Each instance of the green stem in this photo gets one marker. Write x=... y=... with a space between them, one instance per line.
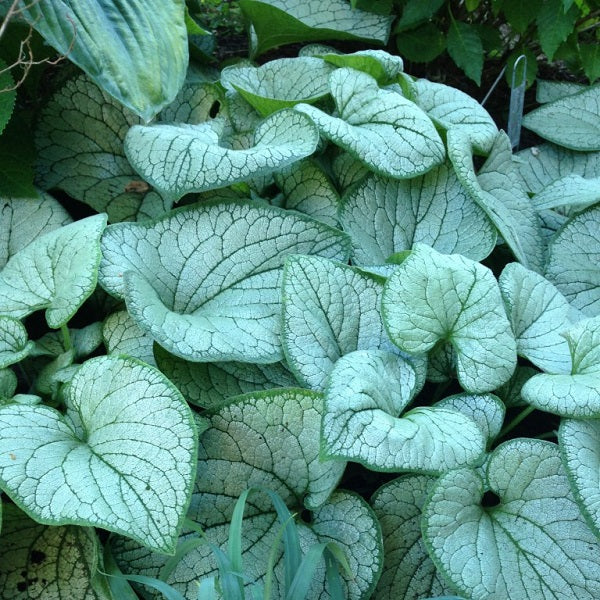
x=66 y=338
x=522 y=415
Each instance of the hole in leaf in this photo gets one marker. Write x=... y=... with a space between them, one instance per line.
x=37 y=557
x=22 y=586
x=214 y=109
x=490 y=499
x=306 y=516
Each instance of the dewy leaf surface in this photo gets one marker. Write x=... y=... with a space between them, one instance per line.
x=365 y=395
x=431 y=298
x=119 y=45
x=534 y=544
x=180 y=159
x=14 y=342
x=384 y=216
x=381 y=128
x=57 y=272
x=204 y=281
x=38 y=562
x=122 y=458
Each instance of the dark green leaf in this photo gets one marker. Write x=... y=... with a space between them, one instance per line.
x=422 y=44
x=466 y=49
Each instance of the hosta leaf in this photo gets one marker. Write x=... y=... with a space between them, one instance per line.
x=432 y=298
x=534 y=544
x=278 y=22
x=538 y=313
x=179 y=159
x=121 y=458
x=579 y=445
x=576 y=394
x=384 y=67
x=452 y=109
x=25 y=219
x=56 y=272
x=571 y=190
x=209 y=384
x=80 y=150
x=408 y=572
x=366 y=393
x=122 y=335
x=53 y=563
x=118 y=45
x=497 y=190
x=14 y=342
x=204 y=281
x=307 y=188
x=384 y=216
x=573 y=121
x=280 y=83
x=384 y=130
x=573 y=262
x=329 y=309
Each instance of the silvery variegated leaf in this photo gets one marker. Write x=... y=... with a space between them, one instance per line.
x=381 y=65
x=14 y=341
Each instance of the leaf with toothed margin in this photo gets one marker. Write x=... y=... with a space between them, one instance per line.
x=204 y=280
x=388 y=133
x=122 y=457
x=576 y=391
x=57 y=272
x=366 y=393
x=408 y=572
x=180 y=159
x=54 y=563
x=432 y=298
x=14 y=342
x=533 y=544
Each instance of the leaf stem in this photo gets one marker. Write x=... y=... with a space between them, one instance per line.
x=522 y=415
x=67 y=343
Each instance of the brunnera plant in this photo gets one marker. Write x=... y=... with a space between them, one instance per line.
x=295 y=269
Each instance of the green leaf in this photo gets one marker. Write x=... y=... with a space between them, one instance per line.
x=465 y=49
x=8 y=95
x=384 y=216
x=16 y=157
x=576 y=393
x=408 y=572
x=520 y=13
x=573 y=261
x=280 y=83
x=56 y=272
x=214 y=293
x=416 y=12
x=572 y=121
x=57 y=563
x=121 y=335
x=26 y=219
x=82 y=341
x=534 y=544
x=14 y=341
x=554 y=24
x=118 y=45
x=378 y=126
x=279 y=22
x=365 y=395
x=384 y=67
x=569 y=191
x=8 y=383
x=329 y=309
x=180 y=159
x=538 y=313
x=432 y=298
x=590 y=60
x=121 y=458
x=421 y=45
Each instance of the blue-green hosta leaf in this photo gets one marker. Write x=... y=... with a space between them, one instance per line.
x=452 y=109
x=14 y=342
x=179 y=159
x=384 y=130
x=122 y=335
x=365 y=395
x=280 y=83
x=25 y=219
x=384 y=67
x=204 y=281
x=209 y=384
x=384 y=216
x=578 y=442
x=574 y=261
x=56 y=272
x=432 y=297
x=408 y=572
x=576 y=394
x=572 y=121
x=278 y=22
x=329 y=309
x=307 y=188
x=571 y=190
x=534 y=544
x=53 y=563
x=79 y=139
x=121 y=458
x=497 y=190
x=538 y=313
x=118 y=45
